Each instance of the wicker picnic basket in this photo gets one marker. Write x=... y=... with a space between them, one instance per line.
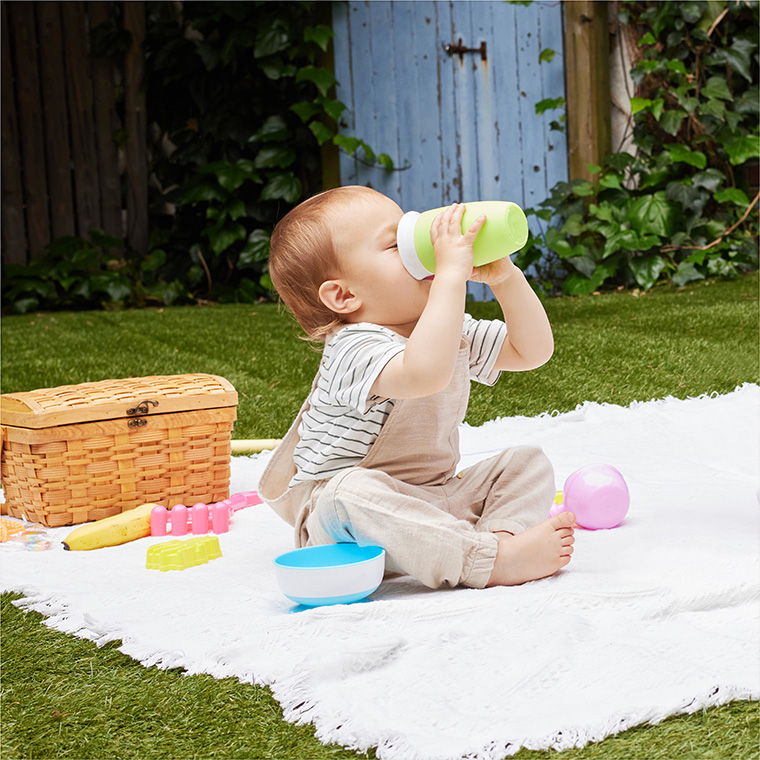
x=83 y=452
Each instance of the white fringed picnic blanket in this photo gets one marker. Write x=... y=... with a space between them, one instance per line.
x=654 y=618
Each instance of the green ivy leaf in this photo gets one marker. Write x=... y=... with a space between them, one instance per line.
x=548 y=104
x=657 y=107
x=546 y=55
x=153 y=261
x=623 y=240
x=305 y=110
x=114 y=284
x=584 y=264
x=272 y=156
x=222 y=239
x=647 y=39
x=681 y=153
x=619 y=161
x=689 y=197
x=655 y=179
x=270 y=41
x=741 y=149
x=691 y=11
x=671 y=121
x=576 y=284
x=732 y=195
x=639 y=104
x=255 y=250
x=713 y=107
x=320 y=34
x=709 y=179
x=386 y=161
x=647 y=269
x=248 y=292
x=603 y=211
x=25 y=305
x=573 y=226
x=738 y=55
x=349 y=144
x=716 y=87
x=276 y=68
x=688 y=104
x=273 y=129
x=202 y=191
x=677 y=66
x=686 y=272
x=583 y=188
x=555 y=240
x=611 y=182
x=321 y=131
x=653 y=215
x=230 y=175
x=333 y=108
x=321 y=77
x=284 y=186
x=236 y=209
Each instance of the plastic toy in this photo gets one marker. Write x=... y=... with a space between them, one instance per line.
x=33 y=538
x=598 y=496
x=331 y=574
x=199 y=519
x=179 y=555
x=505 y=231
x=9 y=528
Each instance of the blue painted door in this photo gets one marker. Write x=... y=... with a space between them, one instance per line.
x=458 y=126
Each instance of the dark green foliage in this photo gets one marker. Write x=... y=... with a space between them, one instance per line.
x=681 y=208
x=239 y=106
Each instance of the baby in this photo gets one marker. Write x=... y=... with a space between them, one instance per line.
x=372 y=455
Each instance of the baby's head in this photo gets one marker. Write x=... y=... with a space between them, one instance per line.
x=304 y=254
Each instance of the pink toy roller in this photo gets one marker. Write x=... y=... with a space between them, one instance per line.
x=179 y=520
x=598 y=496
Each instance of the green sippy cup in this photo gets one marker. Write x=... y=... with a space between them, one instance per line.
x=504 y=231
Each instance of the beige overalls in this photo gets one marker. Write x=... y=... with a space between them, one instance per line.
x=405 y=495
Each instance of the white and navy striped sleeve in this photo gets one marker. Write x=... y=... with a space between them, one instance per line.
x=352 y=361
x=486 y=339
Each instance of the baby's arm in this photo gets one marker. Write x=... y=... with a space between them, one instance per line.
x=529 y=342
x=426 y=364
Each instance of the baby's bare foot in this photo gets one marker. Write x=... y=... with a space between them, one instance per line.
x=535 y=553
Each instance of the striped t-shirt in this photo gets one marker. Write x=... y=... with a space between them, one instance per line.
x=342 y=420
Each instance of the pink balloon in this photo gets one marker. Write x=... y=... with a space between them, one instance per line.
x=598 y=495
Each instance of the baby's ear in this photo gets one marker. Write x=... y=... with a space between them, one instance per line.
x=337 y=297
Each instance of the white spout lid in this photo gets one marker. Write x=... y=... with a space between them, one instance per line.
x=406 y=249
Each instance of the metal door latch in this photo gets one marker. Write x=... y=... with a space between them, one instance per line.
x=459 y=49
x=142 y=407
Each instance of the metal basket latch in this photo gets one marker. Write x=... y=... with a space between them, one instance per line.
x=141 y=408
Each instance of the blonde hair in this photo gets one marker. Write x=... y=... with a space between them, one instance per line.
x=303 y=255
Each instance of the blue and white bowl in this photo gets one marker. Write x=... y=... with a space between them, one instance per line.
x=330 y=574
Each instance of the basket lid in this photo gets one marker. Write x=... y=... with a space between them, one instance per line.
x=115 y=399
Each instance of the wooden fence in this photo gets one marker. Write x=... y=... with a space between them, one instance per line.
x=63 y=172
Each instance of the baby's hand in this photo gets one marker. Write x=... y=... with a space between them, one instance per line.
x=496 y=272
x=453 y=250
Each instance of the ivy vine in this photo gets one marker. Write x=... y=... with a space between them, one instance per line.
x=683 y=207
x=240 y=102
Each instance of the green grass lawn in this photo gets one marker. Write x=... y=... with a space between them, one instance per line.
x=65 y=698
